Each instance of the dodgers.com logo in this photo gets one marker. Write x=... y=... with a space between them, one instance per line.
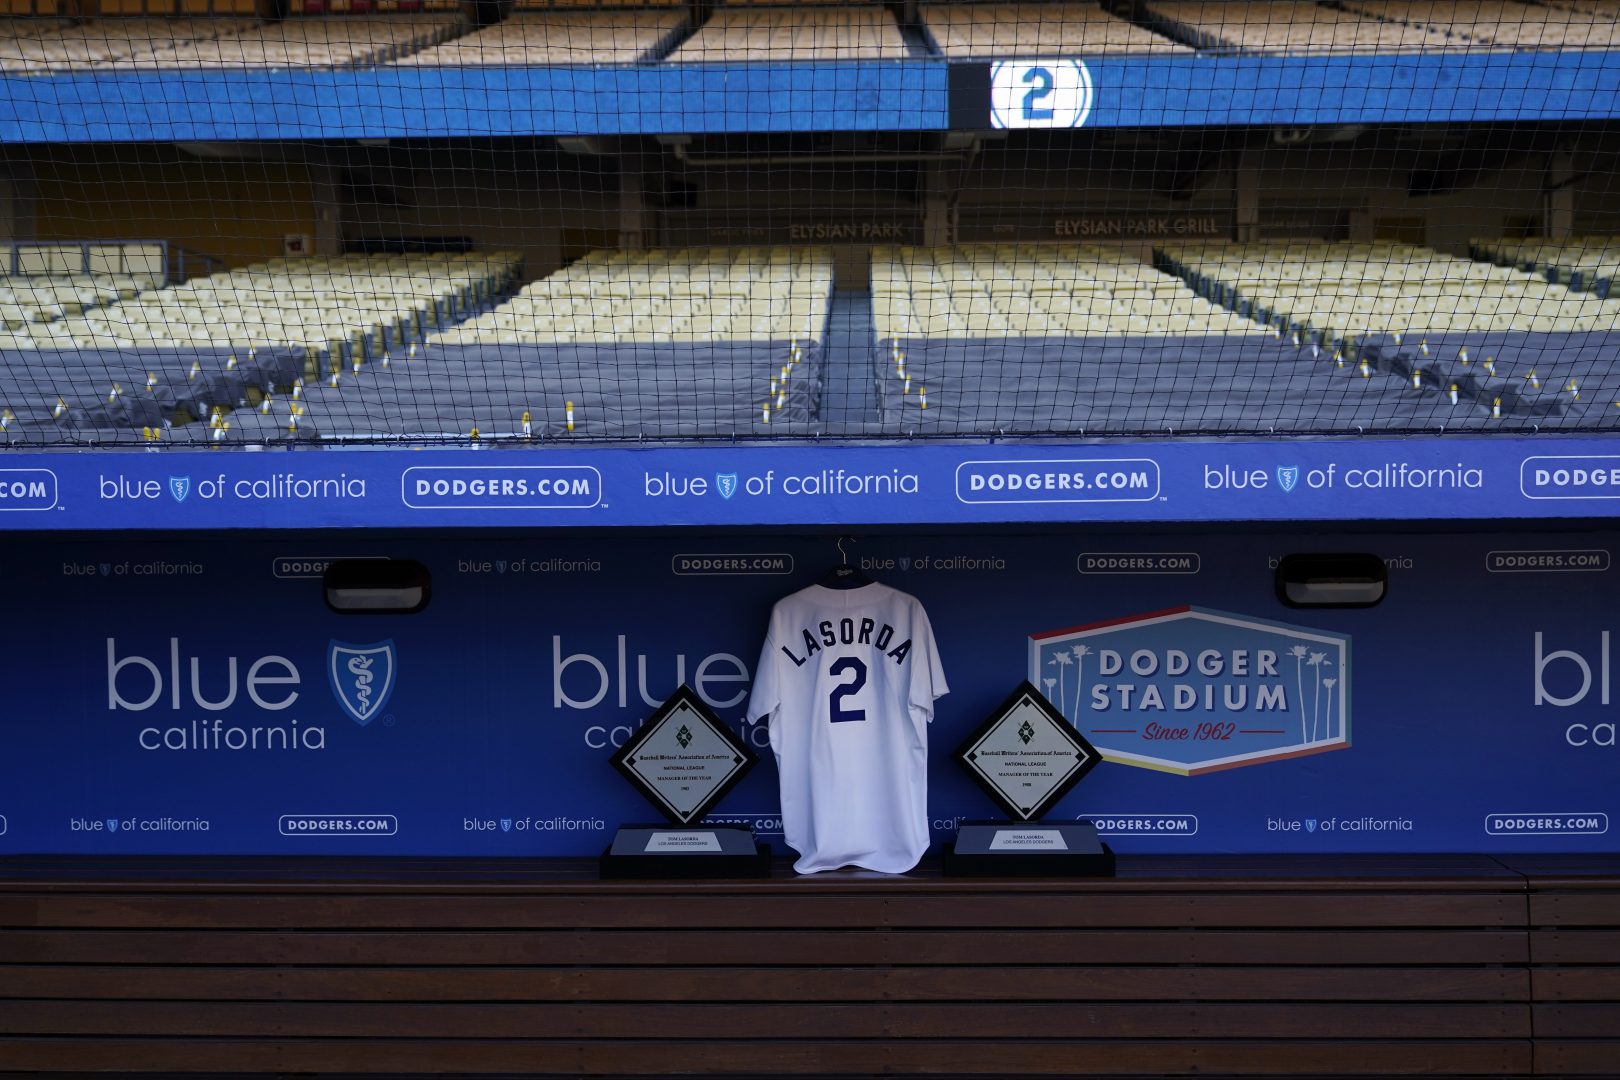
x=1073 y=480
x=501 y=487
x=27 y=489
x=1587 y=476
x=362 y=677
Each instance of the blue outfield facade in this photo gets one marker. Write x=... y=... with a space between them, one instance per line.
x=1462 y=86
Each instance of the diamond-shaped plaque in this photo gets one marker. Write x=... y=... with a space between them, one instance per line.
x=1026 y=756
x=684 y=759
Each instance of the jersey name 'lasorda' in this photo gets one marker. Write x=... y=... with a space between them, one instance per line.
x=846 y=684
x=849 y=632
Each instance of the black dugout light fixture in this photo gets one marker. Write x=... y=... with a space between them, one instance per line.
x=1331 y=581
x=377 y=586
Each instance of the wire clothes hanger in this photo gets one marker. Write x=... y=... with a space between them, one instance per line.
x=844 y=576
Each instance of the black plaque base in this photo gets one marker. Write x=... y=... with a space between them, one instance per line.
x=653 y=852
x=1029 y=848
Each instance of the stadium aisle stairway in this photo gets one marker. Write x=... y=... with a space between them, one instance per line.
x=850 y=400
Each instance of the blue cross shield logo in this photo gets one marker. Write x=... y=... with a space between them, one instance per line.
x=106 y=568
x=726 y=484
x=1310 y=824
x=1287 y=477
x=112 y=824
x=179 y=487
x=506 y=824
x=362 y=677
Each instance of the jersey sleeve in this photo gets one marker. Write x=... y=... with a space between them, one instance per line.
x=766 y=693
x=927 y=674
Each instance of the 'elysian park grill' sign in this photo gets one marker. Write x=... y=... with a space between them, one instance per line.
x=1194 y=691
x=1090 y=228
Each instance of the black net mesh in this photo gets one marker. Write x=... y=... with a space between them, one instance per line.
x=342 y=222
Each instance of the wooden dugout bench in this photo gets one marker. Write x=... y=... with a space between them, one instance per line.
x=1216 y=967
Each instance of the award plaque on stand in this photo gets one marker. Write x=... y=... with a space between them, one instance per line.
x=1026 y=756
x=684 y=760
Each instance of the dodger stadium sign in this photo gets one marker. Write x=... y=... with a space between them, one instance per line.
x=1193 y=691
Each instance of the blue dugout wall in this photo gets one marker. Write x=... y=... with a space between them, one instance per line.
x=186 y=690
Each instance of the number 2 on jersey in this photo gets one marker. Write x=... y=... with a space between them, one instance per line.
x=835 y=700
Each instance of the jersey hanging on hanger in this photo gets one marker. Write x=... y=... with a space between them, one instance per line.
x=848 y=679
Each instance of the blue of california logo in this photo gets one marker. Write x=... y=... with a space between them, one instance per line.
x=726 y=484
x=362 y=677
x=179 y=487
x=112 y=824
x=1287 y=477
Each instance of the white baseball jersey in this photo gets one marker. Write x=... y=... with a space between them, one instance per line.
x=848 y=679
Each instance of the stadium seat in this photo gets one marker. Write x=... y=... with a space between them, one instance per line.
x=570 y=37
x=1288 y=26
x=1001 y=30
x=192 y=42
x=229 y=342
x=742 y=33
x=691 y=342
x=1512 y=344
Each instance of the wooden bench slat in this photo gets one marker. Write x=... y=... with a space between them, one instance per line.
x=721 y=1021
x=1269 y=973
x=1575 y=946
x=1556 y=1057
x=1012 y=911
x=1575 y=984
x=936 y=983
x=465 y=875
x=830 y=946
x=1576 y=1021
x=1235 y=1057
x=1593 y=908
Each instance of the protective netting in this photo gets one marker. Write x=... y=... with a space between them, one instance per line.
x=344 y=222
